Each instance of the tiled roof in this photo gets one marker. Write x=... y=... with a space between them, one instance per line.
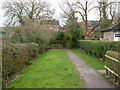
x=114 y=27
x=90 y=23
x=50 y=22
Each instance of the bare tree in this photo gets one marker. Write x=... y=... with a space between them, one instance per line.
x=68 y=11
x=73 y=27
x=107 y=10
x=39 y=10
x=14 y=11
x=17 y=10
x=83 y=9
x=31 y=31
x=112 y=9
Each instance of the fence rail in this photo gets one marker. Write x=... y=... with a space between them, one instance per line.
x=112 y=65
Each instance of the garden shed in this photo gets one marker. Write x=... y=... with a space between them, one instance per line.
x=112 y=33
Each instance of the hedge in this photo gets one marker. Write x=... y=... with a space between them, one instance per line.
x=17 y=56
x=54 y=46
x=63 y=42
x=98 y=48
x=113 y=54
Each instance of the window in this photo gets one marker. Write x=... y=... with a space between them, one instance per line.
x=117 y=35
x=56 y=29
x=51 y=29
x=56 y=25
x=89 y=25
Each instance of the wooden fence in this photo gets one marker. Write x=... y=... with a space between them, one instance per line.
x=112 y=65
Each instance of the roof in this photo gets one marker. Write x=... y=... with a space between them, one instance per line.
x=90 y=23
x=63 y=28
x=113 y=27
x=50 y=22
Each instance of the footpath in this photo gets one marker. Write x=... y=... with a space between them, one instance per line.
x=91 y=78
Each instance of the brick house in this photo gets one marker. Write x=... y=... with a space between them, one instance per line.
x=91 y=25
x=52 y=25
x=63 y=28
x=112 y=33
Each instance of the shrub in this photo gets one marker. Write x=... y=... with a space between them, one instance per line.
x=30 y=31
x=113 y=54
x=54 y=46
x=16 y=56
x=60 y=36
x=62 y=42
x=98 y=48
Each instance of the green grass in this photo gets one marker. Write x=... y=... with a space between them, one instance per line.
x=90 y=60
x=53 y=69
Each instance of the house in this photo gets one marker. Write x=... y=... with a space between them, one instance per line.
x=63 y=28
x=52 y=25
x=112 y=33
x=91 y=25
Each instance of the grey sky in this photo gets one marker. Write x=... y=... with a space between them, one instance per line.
x=58 y=11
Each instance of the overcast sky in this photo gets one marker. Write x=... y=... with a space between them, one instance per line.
x=58 y=11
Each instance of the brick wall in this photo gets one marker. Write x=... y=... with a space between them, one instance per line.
x=91 y=25
x=108 y=36
x=53 y=27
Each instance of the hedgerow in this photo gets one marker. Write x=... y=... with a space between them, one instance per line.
x=98 y=48
x=54 y=46
x=17 y=56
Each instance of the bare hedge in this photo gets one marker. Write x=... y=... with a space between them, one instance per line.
x=17 y=56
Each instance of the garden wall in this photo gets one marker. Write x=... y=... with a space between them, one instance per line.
x=16 y=56
x=98 y=48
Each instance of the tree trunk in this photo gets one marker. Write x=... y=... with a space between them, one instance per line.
x=86 y=23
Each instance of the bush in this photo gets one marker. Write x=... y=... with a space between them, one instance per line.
x=54 y=46
x=62 y=42
x=60 y=36
x=113 y=54
x=16 y=56
x=30 y=31
x=98 y=48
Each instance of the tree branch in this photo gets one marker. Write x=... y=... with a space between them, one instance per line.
x=93 y=29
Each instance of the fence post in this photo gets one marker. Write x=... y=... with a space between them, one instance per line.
x=113 y=66
x=114 y=79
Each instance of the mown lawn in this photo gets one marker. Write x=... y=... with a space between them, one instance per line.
x=53 y=69
x=90 y=60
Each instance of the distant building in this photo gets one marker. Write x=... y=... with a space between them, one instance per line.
x=115 y=21
x=52 y=25
x=63 y=29
x=91 y=25
x=112 y=33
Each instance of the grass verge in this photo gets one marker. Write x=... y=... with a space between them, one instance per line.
x=90 y=60
x=53 y=69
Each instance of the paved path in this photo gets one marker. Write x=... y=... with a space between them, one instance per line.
x=91 y=78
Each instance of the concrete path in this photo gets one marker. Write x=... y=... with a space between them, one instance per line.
x=91 y=78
